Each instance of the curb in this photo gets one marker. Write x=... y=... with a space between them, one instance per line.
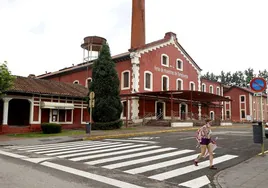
x=153 y=132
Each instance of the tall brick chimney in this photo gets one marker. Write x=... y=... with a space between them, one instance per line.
x=138 y=23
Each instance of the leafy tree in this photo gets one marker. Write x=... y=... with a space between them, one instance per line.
x=105 y=84
x=249 y=75
x=6 y=79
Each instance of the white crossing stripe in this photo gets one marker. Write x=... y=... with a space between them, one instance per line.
x=95 y=177
x=11 y=154
x=76 y=148
x=161 y=165
x=127 y=145
x=140 y=141
x=96 y=147
x=128 y=156
x=47 y=145
x=196 y=183
x=112 y=153
x=143 y=160
x=65 y=146
x=191 y=168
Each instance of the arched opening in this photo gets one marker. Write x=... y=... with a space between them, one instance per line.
x=183 y=111
x=1 y=111
x=212 y=115
x=160 y=110
x=19 y=112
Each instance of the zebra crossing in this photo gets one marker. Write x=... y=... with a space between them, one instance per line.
x=141 y=158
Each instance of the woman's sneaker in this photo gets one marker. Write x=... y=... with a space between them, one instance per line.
x=195 y=163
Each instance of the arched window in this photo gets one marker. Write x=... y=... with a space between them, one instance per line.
x=165 y=83
x=192 y=86
x=179 y=84
x=76 y=82
x=164 y=60
x=210 y=89
x=204 y=87
x=88 y=82
x=179 y=64
x=148 y=81
x=125 y=79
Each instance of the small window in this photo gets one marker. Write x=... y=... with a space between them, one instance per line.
x=210 y=89
x=125 y=109
x=148 y=81
x=164 y=60
x=76 y=82
x=218 y=91
x=179 y=84
x=125 y=80
x=243 y=114
x=227 y=114
x=242 y=98
x=204 y=87
x=165 y=83
x=88 y=82
x=192 y=86
x=179 y=64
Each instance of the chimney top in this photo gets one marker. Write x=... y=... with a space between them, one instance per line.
x=168 y=35
x=138 y=24
x=31 y=76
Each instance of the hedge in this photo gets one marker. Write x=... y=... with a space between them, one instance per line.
x=107 y=125
x=49 y=128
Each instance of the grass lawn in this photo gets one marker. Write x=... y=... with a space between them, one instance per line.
x=40 y=134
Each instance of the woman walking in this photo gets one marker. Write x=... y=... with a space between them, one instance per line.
x=204 y=139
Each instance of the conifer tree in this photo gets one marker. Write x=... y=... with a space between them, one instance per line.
x=105 y=83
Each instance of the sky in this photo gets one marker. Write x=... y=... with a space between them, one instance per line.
x=45 y=35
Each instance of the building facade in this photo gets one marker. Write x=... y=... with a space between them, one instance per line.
x=31 y=102
x=245 y=107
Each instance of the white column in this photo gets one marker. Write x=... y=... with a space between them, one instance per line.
x=31 y=111
x=5 y=113
x=199 y=111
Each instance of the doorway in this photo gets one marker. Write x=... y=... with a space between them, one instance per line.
x=19 y=112
x=212 y=115
x=159 y=110
x=183 y=111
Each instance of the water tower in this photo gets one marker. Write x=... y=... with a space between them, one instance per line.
x=91 y=47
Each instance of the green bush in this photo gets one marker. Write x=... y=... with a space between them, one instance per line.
x=49 y=128
x=107 y=126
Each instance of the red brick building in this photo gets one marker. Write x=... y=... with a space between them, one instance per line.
x=31 y=102
x=244 y=106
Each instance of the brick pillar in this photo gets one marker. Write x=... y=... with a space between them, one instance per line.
x=138 y=23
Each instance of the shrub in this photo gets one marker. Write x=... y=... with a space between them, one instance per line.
x=107 y=125
x=49 y=128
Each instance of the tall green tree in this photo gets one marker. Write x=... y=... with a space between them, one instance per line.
x=6 y=79
x=105 y=84
x=249 y=74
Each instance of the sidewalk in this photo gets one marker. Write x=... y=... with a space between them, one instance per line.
x=100 y=134
x=252 y=173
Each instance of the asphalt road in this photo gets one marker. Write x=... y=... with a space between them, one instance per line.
x=144 y=161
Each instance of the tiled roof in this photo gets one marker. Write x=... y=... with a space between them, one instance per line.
x=47 y=87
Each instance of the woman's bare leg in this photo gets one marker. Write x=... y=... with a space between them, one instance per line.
x=203 y=150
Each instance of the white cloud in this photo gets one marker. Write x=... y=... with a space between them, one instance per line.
x=220 y=35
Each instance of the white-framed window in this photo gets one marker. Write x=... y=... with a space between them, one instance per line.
x=204 y=87
x=76 y=82
x=88 y=82
x=164 y=60
x=243 y=114
x=212 y=115
x=179 y=64
x=211 y=89
x=242 y=98
x=218 y=91
x=125 y=80
x=179 y=84
x=148 y=81
x=192 y=86
x=165 y=83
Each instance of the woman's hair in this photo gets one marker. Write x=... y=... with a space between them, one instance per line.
x=207 y=120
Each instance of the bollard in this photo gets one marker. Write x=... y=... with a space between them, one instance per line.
x=88 y=128
x=257 y=133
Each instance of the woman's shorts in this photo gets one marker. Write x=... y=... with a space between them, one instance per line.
x=205 y=141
